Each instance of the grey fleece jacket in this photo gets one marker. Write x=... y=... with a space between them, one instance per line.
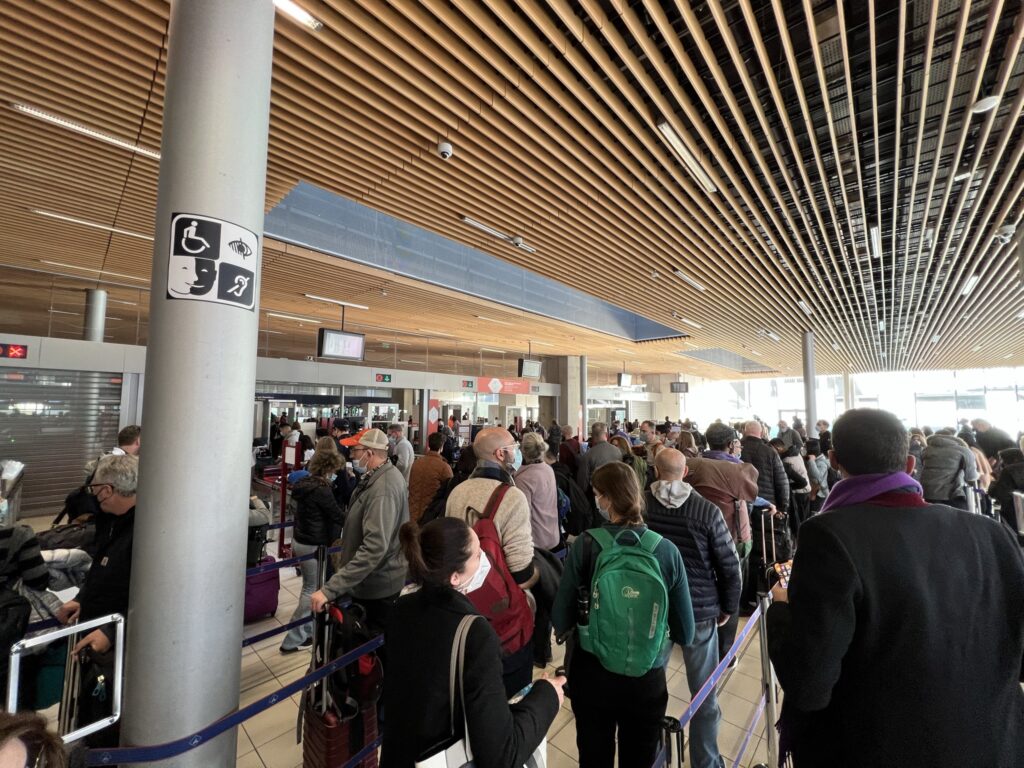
x=372 y=563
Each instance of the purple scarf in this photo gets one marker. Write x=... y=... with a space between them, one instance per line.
x=858 y=489
x=721 y=456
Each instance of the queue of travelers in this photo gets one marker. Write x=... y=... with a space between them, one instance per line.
x=529 y=534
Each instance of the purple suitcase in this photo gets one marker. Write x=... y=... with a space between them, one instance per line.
x=261 y=593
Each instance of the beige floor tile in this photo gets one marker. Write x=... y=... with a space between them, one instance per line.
x=244 y=743
x=271 y=723
x=735 y=710
x=729 y=739
x=249 y=760
x=561 y=720
x=565 y=739
x=756 y=754
x=254 y=672
x=291 y=676
x=282 y=751
x=247 y=697
x=675 y=659
x=559 y=759
x=745 y=686
x=676 y=707
x=281 y=663
x=678 y=686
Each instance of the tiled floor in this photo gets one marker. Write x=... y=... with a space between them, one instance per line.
x=268 y=740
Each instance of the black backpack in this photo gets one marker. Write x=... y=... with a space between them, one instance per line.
x=15 y=611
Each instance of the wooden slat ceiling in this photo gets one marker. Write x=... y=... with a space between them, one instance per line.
x=814 y=122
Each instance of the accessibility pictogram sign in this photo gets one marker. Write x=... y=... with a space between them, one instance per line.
x=212 y=260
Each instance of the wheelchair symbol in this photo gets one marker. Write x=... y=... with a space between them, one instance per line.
x=189 y=234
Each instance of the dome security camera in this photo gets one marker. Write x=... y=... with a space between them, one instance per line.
x=444 y=150
x=1005 y=233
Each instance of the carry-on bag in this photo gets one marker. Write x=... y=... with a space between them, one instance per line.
x=261 y=593
x=256 y=544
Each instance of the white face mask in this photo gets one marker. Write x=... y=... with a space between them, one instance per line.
x=478 y=578
x=603 y=510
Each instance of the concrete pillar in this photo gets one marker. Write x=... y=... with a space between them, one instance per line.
x=583 y=424
x=568 y=405
x=95 y=314
x=810 y=391
x=849 y=398
x=187 y=589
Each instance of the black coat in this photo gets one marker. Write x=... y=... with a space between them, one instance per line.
x=1010 y=479
x=698 y=529
x=994 y=440
x=903 y=639
x=318 y=518
x=106 y=585
x=772 y=483
x=419 y=640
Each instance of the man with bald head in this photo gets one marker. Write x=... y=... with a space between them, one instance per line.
x=697 y=527
x=772 y=483
x=495 y=452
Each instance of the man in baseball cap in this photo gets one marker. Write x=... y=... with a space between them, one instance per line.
x=372 y=568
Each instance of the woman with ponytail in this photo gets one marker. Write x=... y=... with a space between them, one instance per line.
x=445 y=564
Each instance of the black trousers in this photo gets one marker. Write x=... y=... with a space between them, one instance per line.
x=604 y=702
x=727 y=632
x=517 y=670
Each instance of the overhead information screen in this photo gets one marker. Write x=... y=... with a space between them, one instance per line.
x=529 y=369
x=339 y=345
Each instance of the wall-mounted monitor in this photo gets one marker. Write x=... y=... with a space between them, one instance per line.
x=339 y=345
x=625 y=379
x=529 y=369
x=679 y=387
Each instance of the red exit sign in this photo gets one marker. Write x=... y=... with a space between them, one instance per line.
x=14 y=351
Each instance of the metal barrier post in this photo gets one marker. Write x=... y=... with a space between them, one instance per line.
x=972 y=498
x=19 y=648
x=768 y=683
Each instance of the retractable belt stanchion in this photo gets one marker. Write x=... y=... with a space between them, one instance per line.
x=771 y=709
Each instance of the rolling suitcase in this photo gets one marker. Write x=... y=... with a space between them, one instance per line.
x=255 y=548
x=261 y=593
x=338 y=716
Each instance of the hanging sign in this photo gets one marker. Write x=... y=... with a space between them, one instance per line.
x=212 y=260
x=503 y=386
x=14 y=351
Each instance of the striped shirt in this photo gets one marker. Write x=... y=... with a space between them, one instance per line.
x=20 y=559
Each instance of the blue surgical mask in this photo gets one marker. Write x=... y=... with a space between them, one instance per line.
x=517 y=462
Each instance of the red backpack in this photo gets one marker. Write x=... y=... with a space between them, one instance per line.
x=499 y=599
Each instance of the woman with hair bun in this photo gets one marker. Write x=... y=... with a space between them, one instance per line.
x=604 y=701
x=445 y=564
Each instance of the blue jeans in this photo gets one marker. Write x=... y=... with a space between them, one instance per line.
x=701 y=658
x=298 y=635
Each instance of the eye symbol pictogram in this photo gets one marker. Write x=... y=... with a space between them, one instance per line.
x=239 y=247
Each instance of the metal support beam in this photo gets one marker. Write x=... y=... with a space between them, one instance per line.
x=810 y=390
x=584 y=385
x=95 y=314
x=187 y=591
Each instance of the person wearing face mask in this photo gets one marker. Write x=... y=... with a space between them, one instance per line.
x=445 y=564
x=106 y=585
x=318 y=522
x=401 y=449
x=697 y=527
x=497 y=459
x=605 y=702
x=20 y=562
x=372 y=568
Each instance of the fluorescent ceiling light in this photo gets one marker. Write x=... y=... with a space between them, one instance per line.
x=414 y=362
x=755 y=352
x=803 y=306
x=963 y=175
x=90 y=269
x=770 y=334
x=876 y=242
x=987 y=104
x=484 y=228
x=335 y=301
x=276 y=333
x=62 y=312
x=540 y=343
x=687 y=158
x=936 y=339
x=289 y=8
x=689 y=322
x=835 y=346
x=517 y=241
x=624 y=351
x=977 y=347
x=1007 y=357
x=126 y=303
x=93 y=224
x=969 y=285
x=490 y=349
x=294 y=317
x=78 y=128
x=881 y=325
x=435 y=333
x=687 y=279
x=691 y=344
x=492 y=320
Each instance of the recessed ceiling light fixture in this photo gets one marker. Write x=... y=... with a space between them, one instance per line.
x=540 y=343
x=90 y=269
x=876 y=242
x=689 y=280
x=972 y=281
x=300 y=15
x=335 y=301
x=492 y=320
x=686 y=157
x=414 y=362
x=963 y=175
x=61 y=122
x=1008 y=356
x=689 y=322
x=491 y=349
x=765 y=333
x=987 y=104
x=624 y=351
x=434 y=333
x=881 y=325
x=835 y=346
x=804 y=308
x=62 y=312
x=977 y=347
x=936 y=339
x=295 y=318
x=514 y=240
x=92 y=224
x=691 y=344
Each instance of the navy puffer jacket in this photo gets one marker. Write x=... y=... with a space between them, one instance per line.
x=698 y=529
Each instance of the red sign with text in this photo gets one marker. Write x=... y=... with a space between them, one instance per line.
x=14 y=351
x=503 y=386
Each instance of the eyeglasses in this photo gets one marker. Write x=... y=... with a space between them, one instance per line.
x=91 y=492
x=511 y=447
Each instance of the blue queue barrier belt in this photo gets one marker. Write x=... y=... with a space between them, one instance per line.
x=177 y=747
x=751 y=724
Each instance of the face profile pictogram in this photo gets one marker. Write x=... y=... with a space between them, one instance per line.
x=208 y=261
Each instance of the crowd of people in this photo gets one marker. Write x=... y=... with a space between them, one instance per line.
x=899 y=639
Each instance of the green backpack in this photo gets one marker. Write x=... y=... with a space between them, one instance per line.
x=628 y=613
